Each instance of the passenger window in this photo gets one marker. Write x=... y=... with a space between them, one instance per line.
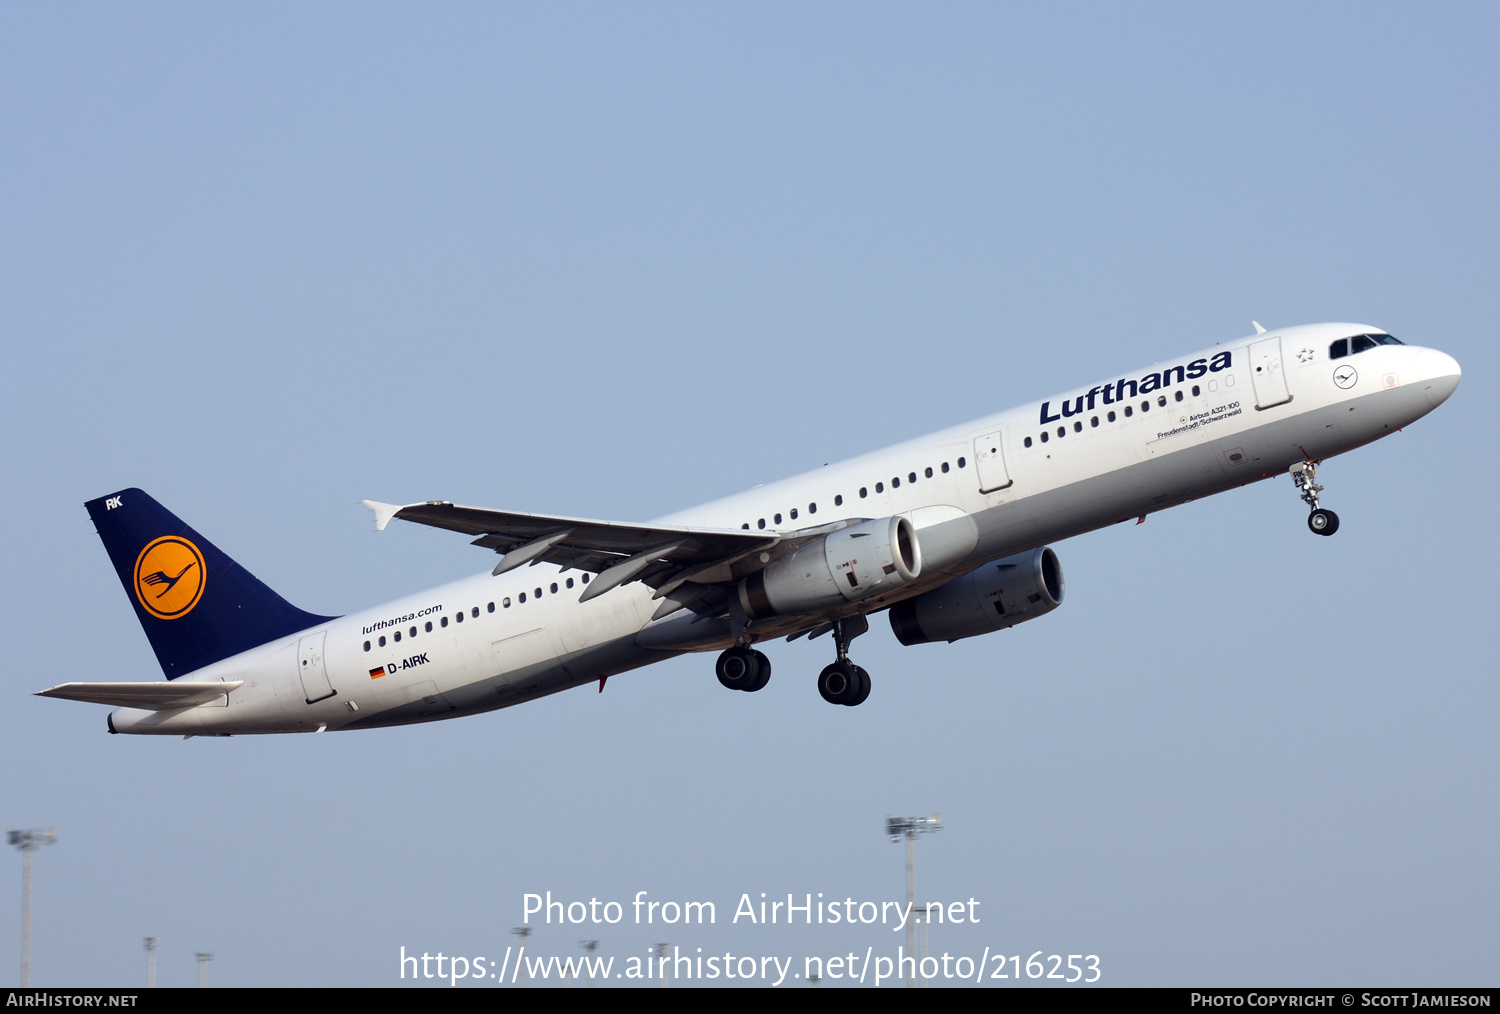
x=427 y=626
x=912 y=476
x=538 y=593
x=413 y=631
x=1044 y=436
x=794 y=514
x=1094 y=422
x=960 y=462
x=367 y=646
x=880 y=487
x=382 y=640
x=444 y=623
x=396 y=636
x=476 y=612
x=1062 y=431
x=812 y=508
x=838 y=501
x=746 y=526
x=777 y=519
x=1197 y=390
x=585 y=579
x=926 y=472
x=1027 y=441
x=863 y=493
x=1146 y=405
x=1111 y=417
x=896 y=482
x=492 y=607
x=1339 y=349
x=945 y=468
x=1078 y=427
x=554 y=587
x=460 y=617
x=761 y=523
x=521 y=597
x=1128 y=411
x=570 y=582
x=505 y=602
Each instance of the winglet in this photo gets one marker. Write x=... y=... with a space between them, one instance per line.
x=383 y=513
x=1258 y=328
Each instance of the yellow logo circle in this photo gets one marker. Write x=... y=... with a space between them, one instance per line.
x=169 y=577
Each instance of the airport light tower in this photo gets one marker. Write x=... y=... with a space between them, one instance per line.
x=28 y=842
x=909 y=828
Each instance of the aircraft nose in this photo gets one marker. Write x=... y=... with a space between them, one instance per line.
x=1442 y=374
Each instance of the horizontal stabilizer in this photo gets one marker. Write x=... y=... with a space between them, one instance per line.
x=150 y=696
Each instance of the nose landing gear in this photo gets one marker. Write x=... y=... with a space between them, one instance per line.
x=1305 y=478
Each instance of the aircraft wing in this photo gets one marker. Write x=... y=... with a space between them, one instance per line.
x=150 y=696
x=664 y=558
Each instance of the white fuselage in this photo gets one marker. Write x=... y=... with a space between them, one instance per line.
x=1230 y=415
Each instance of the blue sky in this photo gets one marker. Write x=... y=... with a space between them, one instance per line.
x=611 y=261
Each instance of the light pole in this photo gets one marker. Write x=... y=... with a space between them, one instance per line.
x=151 y=944
x=523 y=932
x=908 y=828
x=28 y=842
x=589 y=947
x=203 y=959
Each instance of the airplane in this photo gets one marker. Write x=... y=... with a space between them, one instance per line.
x=948 y=534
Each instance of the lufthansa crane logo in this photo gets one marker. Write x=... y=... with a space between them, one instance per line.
x=1345 y=377
x=169 y=577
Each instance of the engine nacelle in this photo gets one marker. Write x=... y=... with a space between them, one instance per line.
x=997 y=595
x=843 y=566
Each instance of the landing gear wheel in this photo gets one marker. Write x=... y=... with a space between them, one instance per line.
x=1323 y=522
x=839 y=682
x=862 y=687
x=762 y=675
x=738 y=668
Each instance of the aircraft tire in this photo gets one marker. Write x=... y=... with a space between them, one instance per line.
x=862 y=687
x=838 y=682
x=737 y=668
x=1323 y=522
x=762 y=673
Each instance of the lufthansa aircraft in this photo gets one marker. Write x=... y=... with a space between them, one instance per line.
x=948 y=533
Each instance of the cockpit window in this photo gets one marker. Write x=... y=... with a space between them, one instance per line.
x=1362 y=343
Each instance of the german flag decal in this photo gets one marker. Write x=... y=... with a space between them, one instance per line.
x=375 y=674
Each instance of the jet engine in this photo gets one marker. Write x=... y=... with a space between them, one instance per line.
x=843 y=566
x=997 y=595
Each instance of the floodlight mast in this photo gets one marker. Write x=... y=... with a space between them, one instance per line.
x=590 y=946
x=203 y=959
x=908 y=828
x=523 y=932
x=28 y=841
x=151 y=944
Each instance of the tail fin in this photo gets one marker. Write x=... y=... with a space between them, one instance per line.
x=196 y=604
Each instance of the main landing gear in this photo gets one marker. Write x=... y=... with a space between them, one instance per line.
x=1305 y=478
x=743 y=668
x=843 y=682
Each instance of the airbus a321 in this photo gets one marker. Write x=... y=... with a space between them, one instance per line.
x=948 y=534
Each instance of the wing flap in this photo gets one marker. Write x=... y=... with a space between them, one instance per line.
x=150 y=696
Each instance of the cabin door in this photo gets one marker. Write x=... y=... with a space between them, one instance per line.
x=989 y=460
x=1266 y=373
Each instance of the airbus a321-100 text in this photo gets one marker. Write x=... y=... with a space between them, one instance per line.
x=948 y=534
